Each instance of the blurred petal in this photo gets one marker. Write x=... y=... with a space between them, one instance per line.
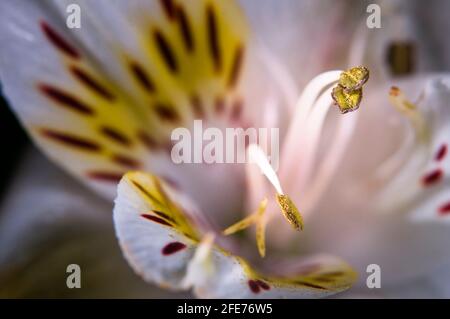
x=348 y=223
x=101 y=103
x=420 y=183
x=106 y=98
x=316 y=33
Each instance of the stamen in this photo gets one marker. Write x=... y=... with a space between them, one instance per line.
x=405 y=107
x=288 y=208
x=290 y=212
x=257 y=156
x=257 y=218
x=241 y=225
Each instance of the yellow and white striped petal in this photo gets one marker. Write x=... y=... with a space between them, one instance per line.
x=168 y=247
x=157 y=237
x=233 y=277
x=103 y=99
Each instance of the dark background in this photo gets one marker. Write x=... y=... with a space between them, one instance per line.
x=13 y=143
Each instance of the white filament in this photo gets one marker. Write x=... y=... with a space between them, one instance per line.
x=257 y=156
x=303 y=108
x=331 y=160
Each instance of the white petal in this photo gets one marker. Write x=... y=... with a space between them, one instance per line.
x=156 y=236
x=160 y=241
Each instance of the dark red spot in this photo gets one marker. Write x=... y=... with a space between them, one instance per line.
x=169 y=8
x=254 y=287
x=103 y=176
x=90 y=82
x=213 y=38
x=165 y=51
x=263 y=285
x=65 y=99
x=166 y=112
x=156 y=219
x=445 y=209
x=432 y=177
x=441 y=153
x=185 y=30
x=115 y=135
x=173 y=248
x=126 y=161
x=71 y=140
x=142 y=77
x=236 y=67
x=58 y=41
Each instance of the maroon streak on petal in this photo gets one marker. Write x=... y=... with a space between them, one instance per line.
x=116 y=136
x=104 y=176
x=142 y=77
x=441 y=153
x=169 y=8
x=263 y=285
x=236 y=67
x=126 y=161
x=213 y=38
x=164 y=215
x=65 y=99
x=165 y=50
x=173 y=248
x=58 y=41
x=307 y=284
x=147 y=193
x=156 y=219
x=166 y=112
x=91 y=83
x=445 y=209
x=71 y=140
x=432 y=177
x=185 y=30
x=254 y=287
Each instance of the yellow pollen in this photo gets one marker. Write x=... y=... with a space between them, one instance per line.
x=347 y=94
x=290 y=211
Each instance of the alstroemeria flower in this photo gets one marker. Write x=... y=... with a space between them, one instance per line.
x=108 y=95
